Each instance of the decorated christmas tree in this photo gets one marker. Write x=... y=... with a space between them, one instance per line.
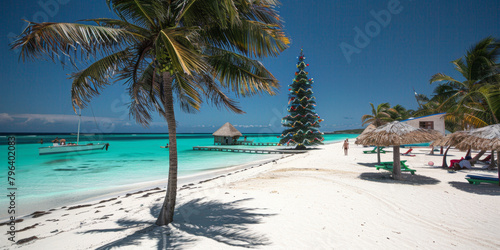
x=303 y=122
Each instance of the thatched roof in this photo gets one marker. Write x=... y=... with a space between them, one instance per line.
x=485 y=138
x=370 y=128
x=450 y=139
x=398 y=133
x=227 y=130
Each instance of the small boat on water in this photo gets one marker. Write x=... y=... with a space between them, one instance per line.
x=72 y=147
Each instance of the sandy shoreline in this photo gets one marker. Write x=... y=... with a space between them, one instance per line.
x=71 y=200
x=321 y=199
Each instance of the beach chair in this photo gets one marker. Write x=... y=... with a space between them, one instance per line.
x=408 y=152
x=374 y=151
x=487 y=158
x=477 y=179
x=389 y=166
x=452 y=162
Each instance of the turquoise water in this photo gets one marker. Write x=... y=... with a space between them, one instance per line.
x=131 y=158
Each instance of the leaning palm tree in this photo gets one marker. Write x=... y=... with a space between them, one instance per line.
x=188 y=49
x=471 y=99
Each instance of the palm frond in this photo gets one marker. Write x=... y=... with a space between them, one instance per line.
x=188 y=93
x=88 y=82
x=54 y=40
x=184 y=57
x=216 y=96
x=141 y=103
x=439 y=77
x=242 y=75
x=142 y=12
x=117 y=23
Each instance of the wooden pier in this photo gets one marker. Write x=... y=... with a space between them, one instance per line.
x=250 y=151
x=251 y=143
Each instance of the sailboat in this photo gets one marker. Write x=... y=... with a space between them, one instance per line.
x=69 y=148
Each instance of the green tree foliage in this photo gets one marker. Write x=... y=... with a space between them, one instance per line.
x=380 y=115
x=474 y=101
x=190 y=50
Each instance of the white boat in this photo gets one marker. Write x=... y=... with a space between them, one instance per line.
x=69 y=148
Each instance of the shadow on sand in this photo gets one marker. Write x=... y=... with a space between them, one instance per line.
x=482 y=189
x=224 y=222
x=367 y=164
x=408 y=179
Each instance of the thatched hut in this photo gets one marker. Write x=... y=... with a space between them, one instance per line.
x=226 y=135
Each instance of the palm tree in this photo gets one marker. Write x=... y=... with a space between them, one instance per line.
x=190 y=49
x=473 y=100
x=401 y=112
x=379 y=116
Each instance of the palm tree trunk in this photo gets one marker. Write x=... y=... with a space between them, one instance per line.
x=498 y=165
x=167 y=210
x=476 y=158
x=492 y=160
x=378 y=154
x=445 y=165
x=396 y=166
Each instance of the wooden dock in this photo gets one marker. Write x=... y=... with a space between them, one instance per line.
x=251 y=143
x=250 y=151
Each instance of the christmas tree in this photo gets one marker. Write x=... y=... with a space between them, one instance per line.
x=303 y=122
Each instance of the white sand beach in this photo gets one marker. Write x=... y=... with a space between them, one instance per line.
x=317 y=200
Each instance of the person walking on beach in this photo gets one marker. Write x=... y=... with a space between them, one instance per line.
x=346 y=146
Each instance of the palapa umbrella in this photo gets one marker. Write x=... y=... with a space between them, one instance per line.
x=485 y=138
x=369 y=128
x=449 y=141
x=396 y=134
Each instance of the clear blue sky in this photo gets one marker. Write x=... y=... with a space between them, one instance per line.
x=419 y=40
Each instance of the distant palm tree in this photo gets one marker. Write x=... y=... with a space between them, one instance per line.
x=189 y=49
x=401 y=113
x=379 y=116
x=474 y=100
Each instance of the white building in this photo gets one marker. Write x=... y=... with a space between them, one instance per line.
x=435 y=122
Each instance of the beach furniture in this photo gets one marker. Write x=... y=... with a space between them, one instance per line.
x=452 y=162
x=487 y=158
x=389 y=166
x=477 y=179
x=408 y=152
x=374 y=151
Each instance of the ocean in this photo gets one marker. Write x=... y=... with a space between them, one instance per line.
x=46 y=181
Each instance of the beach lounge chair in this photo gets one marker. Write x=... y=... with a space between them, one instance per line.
x=452 y=162
x=389 y=166
x=477 y=179
x=408 y=152
x=487 y=158
x=374 y=151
